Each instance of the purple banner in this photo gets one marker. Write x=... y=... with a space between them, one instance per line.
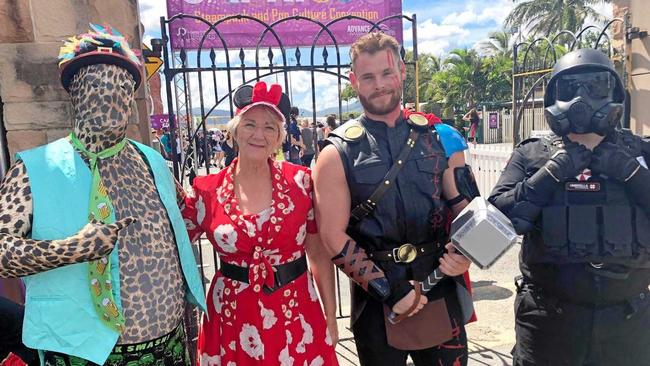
x=187 y=33
x=493 y=120
x=159 y=121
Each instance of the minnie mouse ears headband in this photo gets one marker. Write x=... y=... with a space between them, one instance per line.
x=247 y=97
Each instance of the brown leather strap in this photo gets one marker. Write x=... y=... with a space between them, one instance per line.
x=365 y=208
x=354 y=262
x=415 y=304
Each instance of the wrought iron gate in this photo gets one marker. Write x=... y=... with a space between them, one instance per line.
x=532 y=65
x=202 y=71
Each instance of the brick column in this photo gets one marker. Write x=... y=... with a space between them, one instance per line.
x=36 y=107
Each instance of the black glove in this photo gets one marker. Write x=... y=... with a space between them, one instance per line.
x=568 y=162
x=563 y=164
x=614 y=161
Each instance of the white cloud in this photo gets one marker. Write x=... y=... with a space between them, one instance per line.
x=496 y=12
x=150 y=13
x=437 y=38
x=436 y=47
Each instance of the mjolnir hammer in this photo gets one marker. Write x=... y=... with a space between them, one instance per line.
x=481 y=233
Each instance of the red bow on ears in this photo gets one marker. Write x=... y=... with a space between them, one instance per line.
x=272 y=95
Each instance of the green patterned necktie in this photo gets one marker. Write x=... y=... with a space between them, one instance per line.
x=101 y=210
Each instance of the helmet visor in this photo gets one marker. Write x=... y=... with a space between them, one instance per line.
x=597 y=85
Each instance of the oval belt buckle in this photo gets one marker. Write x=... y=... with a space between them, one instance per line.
x=406 y=253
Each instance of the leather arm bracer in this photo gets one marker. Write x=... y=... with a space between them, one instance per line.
x=355 y=263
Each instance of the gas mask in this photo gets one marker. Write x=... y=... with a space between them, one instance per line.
x=584 y=103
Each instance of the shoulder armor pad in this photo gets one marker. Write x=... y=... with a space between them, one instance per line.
x=527 y=141
x=350 y=131
x=451 y=140
x=418 y=120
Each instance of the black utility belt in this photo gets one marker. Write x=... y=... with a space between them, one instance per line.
x=405 y=253
x=640 y=293
x=284 y=273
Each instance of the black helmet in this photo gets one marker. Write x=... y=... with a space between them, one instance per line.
x=591 y=94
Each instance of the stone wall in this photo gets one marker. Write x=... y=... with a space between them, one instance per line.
x=638 y=62
x=36 y=107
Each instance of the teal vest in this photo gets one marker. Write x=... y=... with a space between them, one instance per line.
x=59 y=314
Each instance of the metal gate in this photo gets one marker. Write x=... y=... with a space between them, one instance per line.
x=193 y=81
x=532 y=65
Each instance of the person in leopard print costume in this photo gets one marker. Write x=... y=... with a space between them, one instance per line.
x=105 y=285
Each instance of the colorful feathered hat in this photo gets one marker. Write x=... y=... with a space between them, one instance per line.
x=100 y=45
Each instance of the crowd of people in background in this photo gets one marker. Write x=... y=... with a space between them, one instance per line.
x=303 y=139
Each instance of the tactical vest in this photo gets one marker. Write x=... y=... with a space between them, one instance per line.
x=412 y=210
x=593 y=219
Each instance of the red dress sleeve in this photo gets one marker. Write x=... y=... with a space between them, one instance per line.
x=193 y=211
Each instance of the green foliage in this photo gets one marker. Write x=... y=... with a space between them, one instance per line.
x=348 y=93
x=428 y=65
x=467 y=79
x=548 y=17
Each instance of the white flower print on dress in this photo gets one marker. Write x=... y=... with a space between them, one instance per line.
x=263 y=217
x=318 y=361
x=285 y=358
x=207 y=360
x=251 y=342
x=240 y=286
x=189 y=225
x=232 y=345
x=226 y=237
x=217 y=295
x=299 y=178
x=328 y=337
x=302 y=233
x=221 y=197
x=307 y=335
x=268 y=316
x=200 y=210
x=310 y=287
x=296 y=255
x=273 y=256
x=250 y=228
x=310 y=214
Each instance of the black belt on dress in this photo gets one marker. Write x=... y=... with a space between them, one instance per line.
x=283 y=273
x=405 y=253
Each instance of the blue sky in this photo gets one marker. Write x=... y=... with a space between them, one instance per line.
x=443 y=25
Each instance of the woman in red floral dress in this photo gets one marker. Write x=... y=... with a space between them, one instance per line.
x=257 y=213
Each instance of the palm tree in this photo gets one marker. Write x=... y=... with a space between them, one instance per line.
x=428 y=65
x=546 y=17
x=497 y=44
x=465 y=67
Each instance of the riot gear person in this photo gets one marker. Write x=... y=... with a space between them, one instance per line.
x=580 y=199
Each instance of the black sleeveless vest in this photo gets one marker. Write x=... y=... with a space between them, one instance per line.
x=412 y=210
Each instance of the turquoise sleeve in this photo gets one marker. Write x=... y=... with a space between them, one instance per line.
x=451 y=139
